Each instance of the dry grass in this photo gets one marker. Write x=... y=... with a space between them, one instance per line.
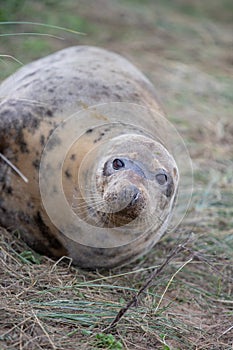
x=185 y=49
x=49 y=305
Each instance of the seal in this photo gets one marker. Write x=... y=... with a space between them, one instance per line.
x=78 y=124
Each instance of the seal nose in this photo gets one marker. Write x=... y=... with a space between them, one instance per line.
x=135 y=195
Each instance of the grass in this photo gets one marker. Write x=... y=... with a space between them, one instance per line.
x=73 y=305
x=185 y=49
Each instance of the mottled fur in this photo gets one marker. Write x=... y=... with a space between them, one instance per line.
x=33 y=101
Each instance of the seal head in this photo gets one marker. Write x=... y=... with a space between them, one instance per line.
x=134 y=183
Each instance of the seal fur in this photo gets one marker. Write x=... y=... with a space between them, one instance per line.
x=34 y=101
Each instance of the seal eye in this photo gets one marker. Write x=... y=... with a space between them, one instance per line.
x=161 y=178
x=118 y=164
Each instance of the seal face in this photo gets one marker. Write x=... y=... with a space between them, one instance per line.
x=131 y=182
x=80 y=125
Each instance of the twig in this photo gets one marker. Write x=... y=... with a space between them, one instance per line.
x=155 y=273
x=44 y=330
x=226 y=331
x=200 y=257
x=15 y=326
x=12 y=57
x=14 y=167
x=170 y=281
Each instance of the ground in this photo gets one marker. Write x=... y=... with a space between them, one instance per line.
x=185 y=48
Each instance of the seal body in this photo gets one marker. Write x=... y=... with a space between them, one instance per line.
x=128 y=183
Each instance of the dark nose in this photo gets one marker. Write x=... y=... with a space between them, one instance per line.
x=135 y=193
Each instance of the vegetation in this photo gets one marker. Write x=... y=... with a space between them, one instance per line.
x=184 y=46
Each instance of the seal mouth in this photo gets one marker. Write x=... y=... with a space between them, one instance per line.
x=125 y=198
x=123 y=207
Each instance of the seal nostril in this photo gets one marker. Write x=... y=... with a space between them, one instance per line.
x=135 y=197
x=161 y=178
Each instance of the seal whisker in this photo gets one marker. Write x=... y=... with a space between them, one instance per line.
x=88 y=199
x=80 y=202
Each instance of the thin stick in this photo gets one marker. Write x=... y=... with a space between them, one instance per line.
x=44 y=330
x=200 y=257
x=12 y=57
x=226 y=331
x=43 y=25
x=134 y=300
x=34 y=34
x=14 y=167
x=170 y=281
